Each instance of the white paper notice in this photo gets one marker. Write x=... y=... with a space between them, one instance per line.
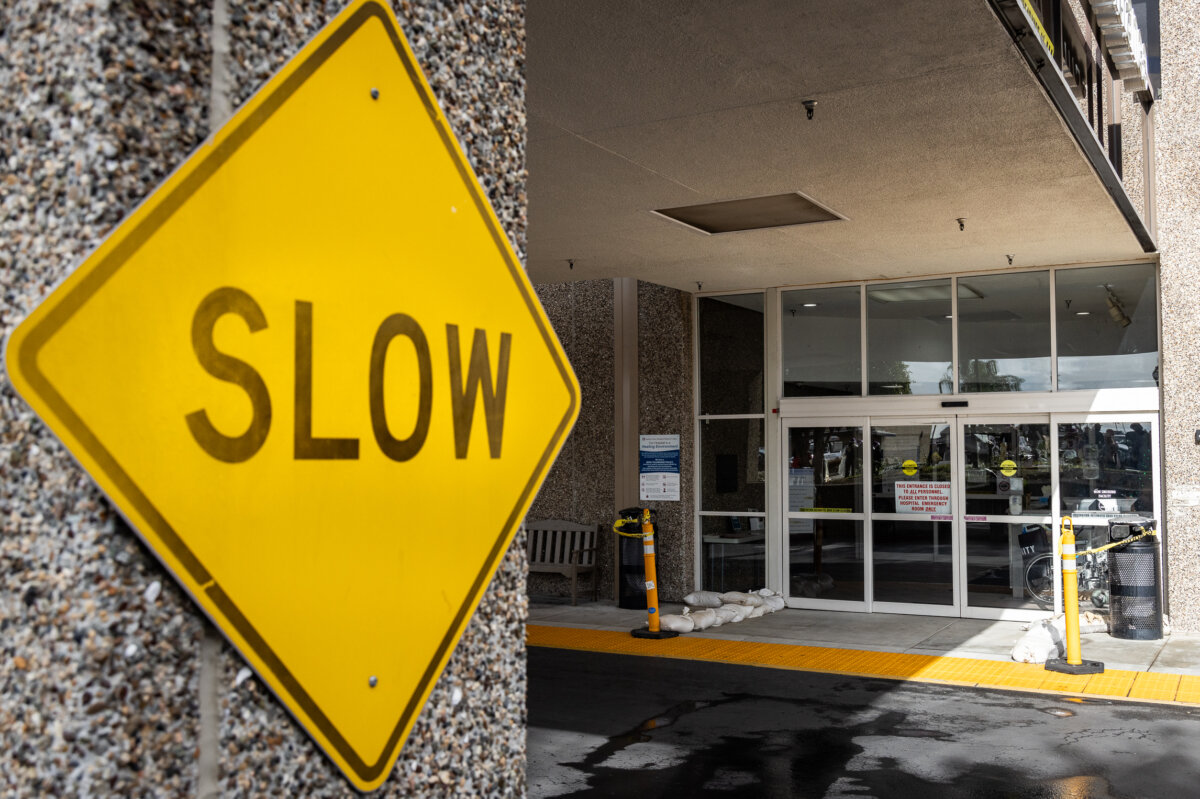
x=922 y=497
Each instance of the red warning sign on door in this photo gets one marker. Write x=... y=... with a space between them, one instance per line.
x=922 y=497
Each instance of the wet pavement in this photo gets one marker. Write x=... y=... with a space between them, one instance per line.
x=621 y=726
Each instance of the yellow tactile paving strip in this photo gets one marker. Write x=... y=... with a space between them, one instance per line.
x=1113 y=683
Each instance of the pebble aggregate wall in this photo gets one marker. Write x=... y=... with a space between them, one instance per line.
x=98 y=656
x=1177 y=129
x=581 y=485
x=97 y=646
x=665 y=407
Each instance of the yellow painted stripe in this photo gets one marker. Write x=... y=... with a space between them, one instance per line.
x=1114 y=683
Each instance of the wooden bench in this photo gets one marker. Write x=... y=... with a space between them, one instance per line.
x=561 y=547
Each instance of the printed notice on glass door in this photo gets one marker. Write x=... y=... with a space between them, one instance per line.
x=658 y=468
x=922 y=497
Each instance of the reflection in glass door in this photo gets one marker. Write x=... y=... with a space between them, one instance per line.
x=912 y=516
x=1008 y=490
x=826 y=552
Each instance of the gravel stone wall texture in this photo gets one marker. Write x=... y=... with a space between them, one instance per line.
x=581 y=485
x=666 y=407
x=1177 y=129
x=98 y=651
x=470 y=739
x=98 y=104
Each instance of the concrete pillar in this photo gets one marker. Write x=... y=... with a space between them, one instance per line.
x=1177 y=128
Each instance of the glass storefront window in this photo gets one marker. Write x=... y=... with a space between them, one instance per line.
x=904 y=454
x=998 y=556
x=731 y=354
x=734 y=552
x=1004 y=332
x=822 y=342
x=908 y=338
x=1105 y=470
x=732 y=465
x=825 y=470
x=826 y=560
x=1007 y=469
x=1107 y=324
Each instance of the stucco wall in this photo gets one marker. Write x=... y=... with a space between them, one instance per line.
x=98 y=655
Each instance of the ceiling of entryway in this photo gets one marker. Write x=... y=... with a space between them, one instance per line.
x=926 y=113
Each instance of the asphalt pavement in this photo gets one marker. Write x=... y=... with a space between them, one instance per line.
x=604 y=725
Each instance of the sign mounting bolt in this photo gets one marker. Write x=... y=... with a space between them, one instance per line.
x=372 y=681
x=374 y=94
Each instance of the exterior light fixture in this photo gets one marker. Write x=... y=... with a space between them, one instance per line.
x=1083 y=313
x=1115 y=310
x=810 y=305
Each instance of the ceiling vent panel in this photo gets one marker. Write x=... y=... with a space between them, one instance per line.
x=752 y=213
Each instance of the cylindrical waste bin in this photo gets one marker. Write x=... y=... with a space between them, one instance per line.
x=1134 y=589
x=631 y=566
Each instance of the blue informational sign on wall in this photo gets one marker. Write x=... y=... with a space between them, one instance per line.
x=658 y=468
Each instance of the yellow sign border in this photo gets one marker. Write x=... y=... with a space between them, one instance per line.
x=27 y=340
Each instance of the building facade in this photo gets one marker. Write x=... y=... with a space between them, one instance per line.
x=933 y=267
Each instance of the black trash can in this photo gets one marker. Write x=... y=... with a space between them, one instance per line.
x=1134 y=589
x=631 y=566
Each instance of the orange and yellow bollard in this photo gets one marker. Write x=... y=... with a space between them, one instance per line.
x=1073 y=663
x=653 y=629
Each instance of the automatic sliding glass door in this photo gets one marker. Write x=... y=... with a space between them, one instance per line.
x=825 y=565
x=1008 y=489
x=912 y=516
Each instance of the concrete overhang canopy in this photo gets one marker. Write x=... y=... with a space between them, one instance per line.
x=926 y=113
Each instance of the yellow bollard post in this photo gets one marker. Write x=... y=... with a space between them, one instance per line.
x=653 y=628
x=1074 y=662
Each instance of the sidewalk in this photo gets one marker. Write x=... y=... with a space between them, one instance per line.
x=964 y=651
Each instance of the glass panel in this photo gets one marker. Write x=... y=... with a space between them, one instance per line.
x=913 y=562
x=1004 y=332
x=908 y=338
x=822 y=342
x=825 y=469
x=1007 y=469
x=1104 y=470
x=826 y=557
x=731 y=354
x=734 y=553
x=1107 y=323
x=732 y=465
x=998 y=556
x=908 y=463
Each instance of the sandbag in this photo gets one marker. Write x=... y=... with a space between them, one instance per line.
x=774 y=603
x=765 y=592
x=738 y=598
x=1038 y=645
x=724 y=616
x=740 y=611
x=757 y=611
x=703 y=599
x=676 y=623
x=703 y=619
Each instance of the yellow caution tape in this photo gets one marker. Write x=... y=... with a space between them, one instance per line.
x=1122 y=542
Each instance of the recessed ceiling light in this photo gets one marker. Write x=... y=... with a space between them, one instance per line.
x=810 y=305
x=1083 y=313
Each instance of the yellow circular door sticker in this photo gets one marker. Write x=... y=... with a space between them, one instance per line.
x=909 y=467
x=1008 y=468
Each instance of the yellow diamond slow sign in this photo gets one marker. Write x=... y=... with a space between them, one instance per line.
x=313 y=375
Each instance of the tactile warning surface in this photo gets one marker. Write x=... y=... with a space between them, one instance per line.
x=888 y=665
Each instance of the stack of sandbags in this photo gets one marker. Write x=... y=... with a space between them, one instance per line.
x=710 y=609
